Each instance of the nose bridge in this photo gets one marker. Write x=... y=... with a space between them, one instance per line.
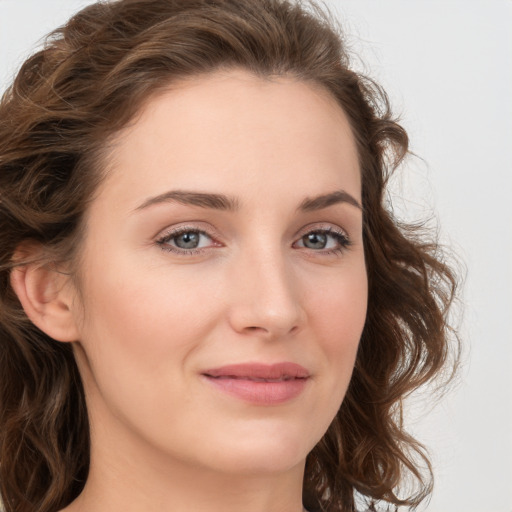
x=266 y=298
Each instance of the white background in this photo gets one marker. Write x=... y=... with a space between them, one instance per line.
x=447 y=66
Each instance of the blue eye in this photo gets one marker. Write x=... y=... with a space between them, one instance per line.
x=185 y=241
x=191 y=241
x=326 y=240
x=315 y=240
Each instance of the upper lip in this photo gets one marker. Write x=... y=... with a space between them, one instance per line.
x=277 y=371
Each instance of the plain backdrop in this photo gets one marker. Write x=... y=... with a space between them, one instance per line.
x=447 y=66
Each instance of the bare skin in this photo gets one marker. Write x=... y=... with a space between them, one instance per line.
x=173 y=289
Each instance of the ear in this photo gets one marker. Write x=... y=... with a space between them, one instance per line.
x=47 y=298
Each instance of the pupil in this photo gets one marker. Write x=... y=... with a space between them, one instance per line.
x=315 y=241
x=188 y=240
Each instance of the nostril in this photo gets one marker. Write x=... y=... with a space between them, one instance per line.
x=255 y=328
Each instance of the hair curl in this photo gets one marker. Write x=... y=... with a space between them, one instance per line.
x=90 y=79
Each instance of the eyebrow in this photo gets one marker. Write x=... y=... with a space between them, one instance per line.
x=227 y=203
x=203 y=200
x=326 y=200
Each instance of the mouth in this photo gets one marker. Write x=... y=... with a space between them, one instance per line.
x=253 y=379
x=260 y=384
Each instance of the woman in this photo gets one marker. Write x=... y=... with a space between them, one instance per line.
x=205 y=303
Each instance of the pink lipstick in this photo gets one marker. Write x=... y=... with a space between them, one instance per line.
x=259 y=383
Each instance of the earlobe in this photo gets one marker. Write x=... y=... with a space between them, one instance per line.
x=46 y=297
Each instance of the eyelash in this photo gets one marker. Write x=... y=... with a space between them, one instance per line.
x=340 y=236
x=162 y=242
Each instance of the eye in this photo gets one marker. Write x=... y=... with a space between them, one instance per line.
x=325 y=240
x=186 y=241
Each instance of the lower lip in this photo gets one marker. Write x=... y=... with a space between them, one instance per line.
x=256 y=392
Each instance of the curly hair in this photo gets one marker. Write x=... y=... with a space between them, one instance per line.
x=91 y=78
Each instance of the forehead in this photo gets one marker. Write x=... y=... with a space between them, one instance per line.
x=237 y=130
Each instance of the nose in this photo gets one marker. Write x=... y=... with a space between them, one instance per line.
x=266 y=298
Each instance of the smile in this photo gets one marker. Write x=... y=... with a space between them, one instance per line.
x=254 y=379
x=259 y=384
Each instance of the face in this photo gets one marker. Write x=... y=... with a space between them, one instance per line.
x=224 y=285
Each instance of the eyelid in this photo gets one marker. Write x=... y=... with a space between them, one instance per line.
x=161 y=240
x=199 y=226
x=343 y=240
x=322 y=227
x=163 y=237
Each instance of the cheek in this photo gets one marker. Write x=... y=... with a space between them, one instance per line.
x=337 y=316
x=139 y=341
x=141 y=322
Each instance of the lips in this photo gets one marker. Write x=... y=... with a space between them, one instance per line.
x=260 y=383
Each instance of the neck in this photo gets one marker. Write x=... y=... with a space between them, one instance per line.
x=128 y=476
x=181 y=489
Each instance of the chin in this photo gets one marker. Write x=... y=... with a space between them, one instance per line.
x=259 y=462
x=263 y=450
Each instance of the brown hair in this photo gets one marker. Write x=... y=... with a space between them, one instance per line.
x=90 y=79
